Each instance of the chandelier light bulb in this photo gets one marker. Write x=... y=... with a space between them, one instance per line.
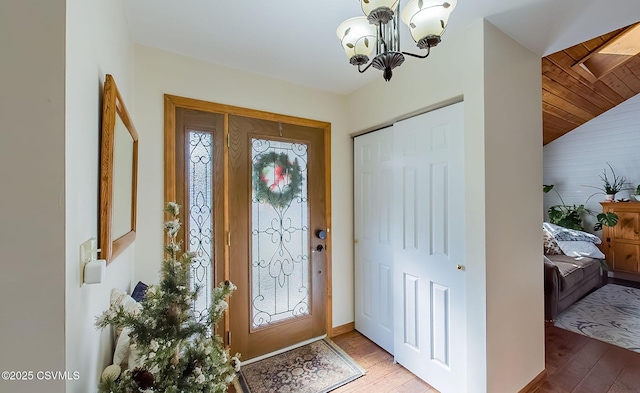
x=358 y=38
x=427 y=19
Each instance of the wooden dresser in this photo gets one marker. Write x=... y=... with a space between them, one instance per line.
x=621 y=243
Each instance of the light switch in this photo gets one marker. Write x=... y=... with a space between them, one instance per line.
x=87 y=250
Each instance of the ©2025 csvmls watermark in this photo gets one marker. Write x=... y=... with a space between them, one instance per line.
x=47 y=375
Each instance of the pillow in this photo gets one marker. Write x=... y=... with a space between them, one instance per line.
x=550 y=245
x=124 y=355
x=562 y=233
x=122 y=352
x=580 y=249
x=117 y=295
x=139 y=291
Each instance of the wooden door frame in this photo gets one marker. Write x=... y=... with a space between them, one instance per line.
x=172 y=102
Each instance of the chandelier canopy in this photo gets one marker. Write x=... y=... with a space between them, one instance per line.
x=379 y=29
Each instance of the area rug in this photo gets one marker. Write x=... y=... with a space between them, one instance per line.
x=318 y=367
x=610 y=314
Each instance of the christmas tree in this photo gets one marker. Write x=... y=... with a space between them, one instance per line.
x=178 y=353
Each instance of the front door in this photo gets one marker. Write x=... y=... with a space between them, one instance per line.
x=277 y=234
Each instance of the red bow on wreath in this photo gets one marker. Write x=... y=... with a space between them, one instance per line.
x=278 y=177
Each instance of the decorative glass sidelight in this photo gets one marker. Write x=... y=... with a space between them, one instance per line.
x=280 y=281
x=200 y=219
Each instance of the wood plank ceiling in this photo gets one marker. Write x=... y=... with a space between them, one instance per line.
x=571 y=96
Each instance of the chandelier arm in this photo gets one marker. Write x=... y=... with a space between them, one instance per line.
x=418 y=56
x=365 y=68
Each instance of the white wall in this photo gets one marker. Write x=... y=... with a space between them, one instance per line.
x=32 y=248
x=98 y=42
x=578 y=158
x=158 y=72
x=502 y=105
x=513 y=172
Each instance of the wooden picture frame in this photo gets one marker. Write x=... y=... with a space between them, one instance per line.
x=118 y=175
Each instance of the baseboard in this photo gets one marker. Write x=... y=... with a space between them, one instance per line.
x=624 y=276
x=346 y=328
x=535 y=385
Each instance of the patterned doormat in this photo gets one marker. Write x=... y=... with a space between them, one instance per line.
x=318 y=367
x=610 y=314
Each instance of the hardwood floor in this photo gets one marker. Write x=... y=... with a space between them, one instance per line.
x=574 y=364
x=579 y=364
x=383 y=376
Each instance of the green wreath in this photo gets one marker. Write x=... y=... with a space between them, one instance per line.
x=270 y=190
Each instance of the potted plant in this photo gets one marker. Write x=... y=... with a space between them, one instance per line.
x=570 y=216
x=637 y=195
x=611 y=186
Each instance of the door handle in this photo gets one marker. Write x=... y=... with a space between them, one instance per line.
x=319 y=248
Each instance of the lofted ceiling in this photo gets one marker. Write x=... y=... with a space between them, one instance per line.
x=296 y=41
x=573 y=94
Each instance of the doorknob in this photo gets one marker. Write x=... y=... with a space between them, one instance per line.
x=320 y=234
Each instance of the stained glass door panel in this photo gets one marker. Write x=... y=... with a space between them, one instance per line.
x=200 y=217
x=199 y=149
x=277 y=203
x=279 y=232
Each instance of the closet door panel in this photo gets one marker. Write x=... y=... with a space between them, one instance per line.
x=410 y=244
x=373 y=250
x=430 y=315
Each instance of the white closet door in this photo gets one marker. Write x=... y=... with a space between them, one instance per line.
x=429 y=219
x=373 y=179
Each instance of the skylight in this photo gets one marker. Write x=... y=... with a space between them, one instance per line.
x=610 y=55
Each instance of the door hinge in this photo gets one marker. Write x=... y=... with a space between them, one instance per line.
x=229 y=338
x=228 y=141
x=229 y=238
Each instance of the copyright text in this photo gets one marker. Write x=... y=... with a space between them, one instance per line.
x=40 y=375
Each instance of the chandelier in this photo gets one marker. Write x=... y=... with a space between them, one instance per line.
x=427 y=21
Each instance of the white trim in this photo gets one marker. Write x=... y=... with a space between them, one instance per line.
x=279 y=351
